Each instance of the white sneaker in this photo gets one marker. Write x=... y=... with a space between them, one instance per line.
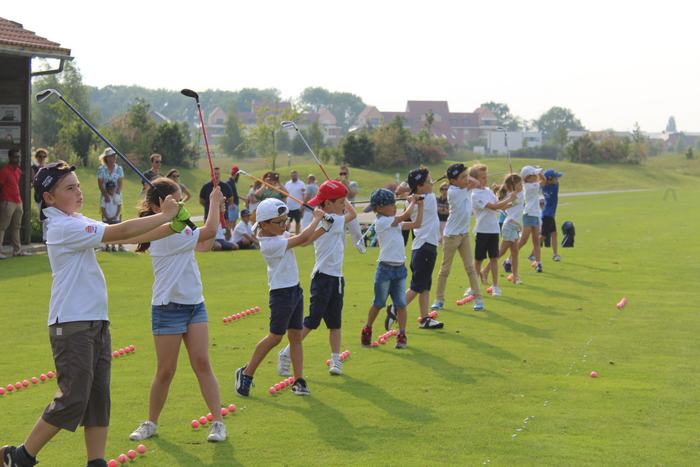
x=145 y=430
x=336 y=367
x=497 y=291
x=468 y=292
x=284 y=363
x=217 y=432
x=556 y=258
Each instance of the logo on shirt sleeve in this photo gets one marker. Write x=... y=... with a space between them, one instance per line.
x=91 y=229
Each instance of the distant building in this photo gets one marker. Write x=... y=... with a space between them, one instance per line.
x=501 y=142
x=458 y=128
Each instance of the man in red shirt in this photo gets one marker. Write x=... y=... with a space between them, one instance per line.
x=11 y=203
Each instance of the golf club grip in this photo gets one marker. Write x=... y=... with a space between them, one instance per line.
x=188 y=222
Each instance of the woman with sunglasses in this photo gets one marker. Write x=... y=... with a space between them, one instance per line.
x=174 y=175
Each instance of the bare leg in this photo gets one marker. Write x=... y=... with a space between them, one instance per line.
x=424 y=303
x=95 y=441
x=493 y=264
x=410 y=295
x=372 y=315
x=167 y=350
x=514 y=261
x=197 y=343
x=39 y=436
x=334 y=340
x=296 y=351
x=555 y=245
x=263 y=347
x=536 y=244
x=402 y=317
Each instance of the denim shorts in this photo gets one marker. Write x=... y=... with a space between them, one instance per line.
x=510 y=232
x=174 y=318
x=531 y=221
x=390 y=280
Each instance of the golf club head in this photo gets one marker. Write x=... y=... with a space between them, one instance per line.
x=288 y=124
x=190 y=93
x=41 y=96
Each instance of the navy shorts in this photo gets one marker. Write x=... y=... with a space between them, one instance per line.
x=486 y=244
x=326 y=301
x=174 y=318
x=286 y=309
x=294 y=215
x=422 y=266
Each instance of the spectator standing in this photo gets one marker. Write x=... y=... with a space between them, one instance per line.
x=311 y=190
x=296 y=188
x=207 y=189
x=11 y=209
x=233 y=207
x=154 y=171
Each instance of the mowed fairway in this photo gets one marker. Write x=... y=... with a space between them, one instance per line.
x=509 y=386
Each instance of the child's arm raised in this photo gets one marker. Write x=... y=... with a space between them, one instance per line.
x=472 y=183
x=350 y=213
x=406 y=214
x=308 y=232
x=419 y=218
x=135 y=227
x=208 y=231
x=504 y=203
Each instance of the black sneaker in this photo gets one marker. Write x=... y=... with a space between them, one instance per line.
x=9 y=458
x=390 y=317
x=243 y=382
x=430 y=323
x=507 y=266
x=539 y=267
x=300 y=388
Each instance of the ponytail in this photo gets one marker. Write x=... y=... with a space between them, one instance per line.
x=161 y=187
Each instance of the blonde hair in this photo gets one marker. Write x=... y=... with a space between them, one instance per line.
x=104 y=154
x=475 y=169
x=508 y=185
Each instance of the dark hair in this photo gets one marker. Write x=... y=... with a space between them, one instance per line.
x=162 y=186
x=507 y=186
x=13 y=152
x=172 y=172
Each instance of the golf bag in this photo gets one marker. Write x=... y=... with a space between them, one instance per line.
x=569 y=232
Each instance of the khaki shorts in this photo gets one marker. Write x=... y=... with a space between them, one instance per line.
x=82 y=352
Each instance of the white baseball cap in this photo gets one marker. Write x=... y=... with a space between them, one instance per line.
x=269 y=208
x=529 y=170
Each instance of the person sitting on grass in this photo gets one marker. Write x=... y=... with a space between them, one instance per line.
x=243 y=233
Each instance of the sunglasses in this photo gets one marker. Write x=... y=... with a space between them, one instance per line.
x=443 y=189
x=157 y=162
x=279 y=222
x=343 y=173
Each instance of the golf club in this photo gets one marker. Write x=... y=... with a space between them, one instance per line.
x=505 y=140
x=288 y=124
x=277 y=189
x=195 y=96
x=42 y=96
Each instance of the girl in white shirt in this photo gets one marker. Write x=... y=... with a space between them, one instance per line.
x=510 y=232
x=532 y=181
x=177 y=307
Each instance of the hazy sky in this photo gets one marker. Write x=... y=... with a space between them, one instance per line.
x=612 y=62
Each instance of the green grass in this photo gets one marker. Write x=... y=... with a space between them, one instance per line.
x=454 y=397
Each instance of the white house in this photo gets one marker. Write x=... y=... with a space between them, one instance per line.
x=501 y=142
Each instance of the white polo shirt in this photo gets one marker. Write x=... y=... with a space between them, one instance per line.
x=391 y=246
x=112 y=206
x=330 y=248
x=175 y=272
x=296 y=189
x=532 y=199
x=78 y=289
x=282 y=271
x=515 y=212
x=486 y=219
x=460 y=200
x=241 y=229
x=429 y=231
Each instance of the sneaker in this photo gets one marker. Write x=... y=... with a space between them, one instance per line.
x=531 y=258
x=9 y=458
x=484 y=277
x=390 y=317
x=556 y=258
x=539 y=267
x=496 y=291
x=284 y=363
x=300 y=388
x=518 y=281
x=438 y=305
x=366 y=338
x=478 y=304
x=217 y=432
x=401 y=341
x=467 y=292
x=243 y=382
x=430 y=323
x=336 y=367
x=145 y=430
x=507 y=267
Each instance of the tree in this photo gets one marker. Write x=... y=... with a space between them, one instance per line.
x=429 y=119
x=79 y=137
x=358 y=151
x=313 y=98
x=583 y=150
x=283 y=141
x=298 y=146
x=503 y=116
x=233 y=142
x=640 y=144
x=671 y=125
x=554 y=119
x=266 y=129
x=689 y=154
x=315 y=137
x=172 y=140
x=344 y=106
x=139 y=120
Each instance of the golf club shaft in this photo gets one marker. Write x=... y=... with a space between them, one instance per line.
x=189 y=223
x=222 y=219
x=278 y=190
x=323 y=169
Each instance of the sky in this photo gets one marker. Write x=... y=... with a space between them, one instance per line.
x=613 y=63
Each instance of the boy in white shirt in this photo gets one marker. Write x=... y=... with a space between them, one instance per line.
x=111 y=210
x=286 y=296
x=78 y=320
x=456 y=235
x=423 y=250
x=390 y=277
x=532 y=181
x=486 y=207
x=243 y=233
x=327 y=283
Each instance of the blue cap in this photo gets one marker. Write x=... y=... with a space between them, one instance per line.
x=551 y=173
x=381 y=197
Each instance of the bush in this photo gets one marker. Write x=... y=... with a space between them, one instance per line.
x=542 y=152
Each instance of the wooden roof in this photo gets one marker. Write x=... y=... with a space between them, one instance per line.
x=15 y=40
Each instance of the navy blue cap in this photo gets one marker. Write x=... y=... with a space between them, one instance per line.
x=46 y=178
x=382 y=197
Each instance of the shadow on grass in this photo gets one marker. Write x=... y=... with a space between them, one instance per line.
x=333 y=427
x=223 y=452
x=548 y=290
x=574 y=280
x=592 y=268
x=382 y=399
x=485 y=348
x=533 y=306
x=439 y=365
x=514 y=325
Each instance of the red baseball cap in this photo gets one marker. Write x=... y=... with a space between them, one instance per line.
x=329 y=190
x=234 y=170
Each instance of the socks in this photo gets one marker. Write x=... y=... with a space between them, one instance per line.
x=402 y=331
x=335 y=357
x=97 y=463
x=23 y=457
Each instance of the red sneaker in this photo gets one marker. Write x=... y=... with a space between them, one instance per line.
x=366 y=337
x=401 y=341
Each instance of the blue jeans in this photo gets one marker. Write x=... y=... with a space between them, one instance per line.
x=390 y=280
x=174 y=318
